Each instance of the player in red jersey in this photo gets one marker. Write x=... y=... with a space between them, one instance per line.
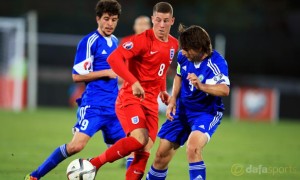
x=142 y=63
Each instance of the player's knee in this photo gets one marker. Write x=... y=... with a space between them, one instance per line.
x=161 y=160
x=193 y=151
x=141 y=136
x=143 y=140
x=75 y=148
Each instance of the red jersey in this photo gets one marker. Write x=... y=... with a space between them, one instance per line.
x=148 y=60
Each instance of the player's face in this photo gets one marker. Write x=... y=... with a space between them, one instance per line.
x=107 y=24
x=162 y=23
x=193 y=55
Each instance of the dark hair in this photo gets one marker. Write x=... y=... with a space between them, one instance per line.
x=112 y=7
x=194 y=37
x=163 y=7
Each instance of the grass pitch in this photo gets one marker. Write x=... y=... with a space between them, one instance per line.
x=238 y=150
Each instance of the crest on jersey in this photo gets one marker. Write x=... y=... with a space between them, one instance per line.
x=172 y=53
x=200 y=77
x=128 y=45
x=135 y=120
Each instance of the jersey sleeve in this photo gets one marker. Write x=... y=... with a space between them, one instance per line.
x=84 y=58
x=219 y=72
x=126 y=52
x=180 y=60
x=134 y=47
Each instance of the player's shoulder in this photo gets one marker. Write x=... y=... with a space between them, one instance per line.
x=216 y=60
x=146 y=35
x=126 y=39
x=216 y=57
x=181 y=58
x=91 y=35
x=90 y=38
x=141 y=40
x=173 y=39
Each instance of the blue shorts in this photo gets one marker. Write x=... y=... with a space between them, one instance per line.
x=186 y=121
x=90 y=120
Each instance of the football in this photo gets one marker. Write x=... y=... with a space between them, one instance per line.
x=81 y=169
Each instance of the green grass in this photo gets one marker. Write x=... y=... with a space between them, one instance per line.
x=238 y=150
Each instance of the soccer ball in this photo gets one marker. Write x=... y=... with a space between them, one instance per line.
x=81 y=169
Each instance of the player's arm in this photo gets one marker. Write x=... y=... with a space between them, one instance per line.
x=94 y=75
x=171 y=109
x=164 y=95
x=212 y=89
x=83 y=64
x=116 y=60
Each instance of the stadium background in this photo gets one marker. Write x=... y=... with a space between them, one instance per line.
x=262 y=38
x=262 y=50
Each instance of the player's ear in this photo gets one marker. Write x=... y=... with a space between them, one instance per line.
x=152 y=19
x=173 y=20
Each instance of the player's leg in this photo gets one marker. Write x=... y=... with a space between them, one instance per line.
x=61 y=153
x=172 y=135
x=194 y=147
x=83 y=130
x=164 y=154
x=78 y=142
x=57 y=156
x=112 y=131
x=132 y=119
x=204 y=125
x=137 y=168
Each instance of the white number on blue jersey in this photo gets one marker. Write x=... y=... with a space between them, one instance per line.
x=191 y=86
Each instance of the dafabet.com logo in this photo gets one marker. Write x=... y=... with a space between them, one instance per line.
x=240 y=169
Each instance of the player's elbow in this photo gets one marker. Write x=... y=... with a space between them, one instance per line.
x=226 y=91
x=75 y=78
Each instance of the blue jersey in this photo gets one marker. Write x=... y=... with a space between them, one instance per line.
x=91 y=55
x=212 y=70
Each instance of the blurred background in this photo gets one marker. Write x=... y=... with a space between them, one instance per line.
x=259 y=39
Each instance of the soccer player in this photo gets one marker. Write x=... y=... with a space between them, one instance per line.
x=96 y=109
x=142 y=63
x=141 y=23
x=195 y=107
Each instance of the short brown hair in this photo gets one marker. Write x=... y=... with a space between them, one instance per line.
x=112 y=7
x=163 y=7
x=194 y=37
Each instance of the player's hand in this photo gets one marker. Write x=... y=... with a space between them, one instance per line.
x=164 y=96
x=138 y=90
x=111 y=74
x=171 y=109
x=194 y=80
